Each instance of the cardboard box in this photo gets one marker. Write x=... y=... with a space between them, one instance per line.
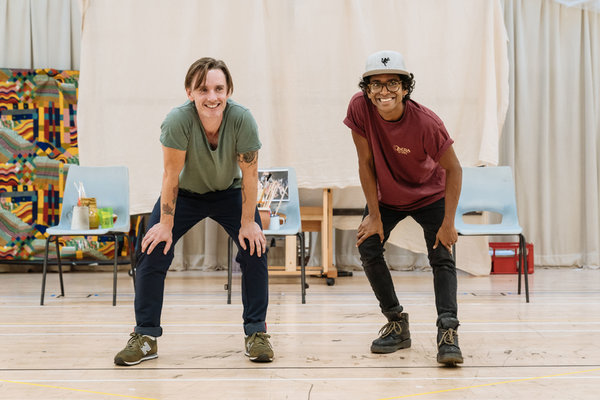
x=505 y=257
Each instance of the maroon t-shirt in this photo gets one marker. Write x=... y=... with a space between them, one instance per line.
x=406 y=153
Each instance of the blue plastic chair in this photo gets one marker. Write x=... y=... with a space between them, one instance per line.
x=291 y=227
x=110 y=187
x=492 y=189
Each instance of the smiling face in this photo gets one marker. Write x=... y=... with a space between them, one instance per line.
x=211 y=95
x=389 y=104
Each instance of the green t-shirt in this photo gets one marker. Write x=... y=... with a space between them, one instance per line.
x=206 y=170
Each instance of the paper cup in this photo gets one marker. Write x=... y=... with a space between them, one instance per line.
x=81 y=218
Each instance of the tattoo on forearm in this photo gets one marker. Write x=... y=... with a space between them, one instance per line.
x=167 y=209
x=249 y=157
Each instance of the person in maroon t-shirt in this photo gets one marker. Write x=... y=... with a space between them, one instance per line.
x=407 y=167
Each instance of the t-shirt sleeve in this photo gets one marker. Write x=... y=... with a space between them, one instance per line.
x=355 y=117
x=173 y=131
x=437 y=141
x=247 y=134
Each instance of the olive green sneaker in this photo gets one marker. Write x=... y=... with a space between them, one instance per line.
x=258 y=347
x=139 y=348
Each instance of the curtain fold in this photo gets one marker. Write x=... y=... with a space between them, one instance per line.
x=551 y=133
x=40 y=34
x=15 y=28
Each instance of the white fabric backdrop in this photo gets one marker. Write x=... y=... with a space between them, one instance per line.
x=295 y=64
x=551 y=137
x=40 y=34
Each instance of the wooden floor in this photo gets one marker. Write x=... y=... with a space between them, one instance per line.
x=547 y=349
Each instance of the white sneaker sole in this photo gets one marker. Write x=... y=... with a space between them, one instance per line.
x=128 y=364
x=260 y=358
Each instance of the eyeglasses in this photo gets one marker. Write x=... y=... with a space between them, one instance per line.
x=392 y=86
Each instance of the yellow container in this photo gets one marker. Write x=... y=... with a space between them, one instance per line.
x=94 y=217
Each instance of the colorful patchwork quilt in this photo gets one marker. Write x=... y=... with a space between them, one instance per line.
x=38 y=141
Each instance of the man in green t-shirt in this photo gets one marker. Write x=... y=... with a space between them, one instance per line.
x=210 y=154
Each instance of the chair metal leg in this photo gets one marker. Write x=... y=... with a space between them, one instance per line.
x=229 y=269
x=525 y=263
x=519 y=265
x=44 y=270
x=302 y=267
x=60 y=272
x=115 y=270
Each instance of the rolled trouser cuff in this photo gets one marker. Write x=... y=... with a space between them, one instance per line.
x=150 y=331
x=447 y=321
x=394 y=313
x=254 y=327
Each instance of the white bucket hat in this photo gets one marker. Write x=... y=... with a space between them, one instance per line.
x=385 y=62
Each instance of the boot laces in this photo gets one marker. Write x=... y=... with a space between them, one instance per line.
x=261 y=338
x=448 y=337
x=391 y=327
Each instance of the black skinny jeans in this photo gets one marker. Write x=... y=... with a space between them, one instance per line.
x=442 y=263
x=225 y=207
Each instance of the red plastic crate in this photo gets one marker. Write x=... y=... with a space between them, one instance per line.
x=505 y=258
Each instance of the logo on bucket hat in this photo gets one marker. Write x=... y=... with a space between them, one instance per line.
x=385 y=62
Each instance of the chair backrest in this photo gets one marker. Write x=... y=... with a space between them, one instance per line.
x=488 y=189
x=110 y=187
x=290 y=207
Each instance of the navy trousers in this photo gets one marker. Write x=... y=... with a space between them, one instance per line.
x=442 y=263
x=225 y=207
